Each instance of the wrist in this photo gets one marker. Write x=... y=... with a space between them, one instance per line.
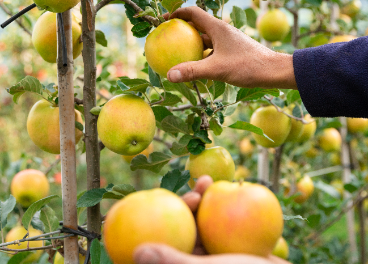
x=281 y=73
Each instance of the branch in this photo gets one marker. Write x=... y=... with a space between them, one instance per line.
x=154 y=21
x=78 y=101
x=20 y=23
x=56 y=162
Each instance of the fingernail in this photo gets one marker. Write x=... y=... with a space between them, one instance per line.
x=175 y=76
x=147 y=256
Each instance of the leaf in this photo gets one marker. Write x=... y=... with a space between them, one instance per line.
x=327 y=189
x=141 y=29
x=96 y=110
x=251 y=17
x=217 y=89
x=180 y=148
x=292 y=217
x=160 y=112
x=95 y=251
x=170 y=99
x=28 y=84
x=203 y=136
x=5 y=209
x=173 y=124
x=238 y=17
x=19 y=257
x=155 y=162
x=147 y=12
x=33 y=208
x=249 y=127
x=100 y=38
x=79 y=126
x=174 y=180
x=314 y=220
x=91 y=197
x=197 y=121
x=246 y=94
x=49 y=219
x=123 y=189
x=229 y=94
x=292 y=96
x=172 y=5
x=36 y=222
x=212 y=4
x=215 y=126
x=135 y=85
x=154 y=77
x=183 y=89
x=105 y=259
x=196 y=146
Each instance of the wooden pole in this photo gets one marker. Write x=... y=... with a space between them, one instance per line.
x=263 y=164
x=67 y=140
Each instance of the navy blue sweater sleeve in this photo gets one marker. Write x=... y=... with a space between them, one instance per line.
x=333 y=79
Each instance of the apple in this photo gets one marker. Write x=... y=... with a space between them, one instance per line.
x=44 y=37
x=57 y=178
x=295 y=131
x=44 y=129
x=308 y=129
x=17 y=233
x=245 y=146
x=241 y=173
x=335 y=158
x=342 y=38
x=29 y=186
x=243 y=218
x=274 y=124
x=126 y=124
x=351 y=8
x=356 y=125
x=156 y=216
x=171 y=43
x=59 y=259
x=312 y=152
x=305 y=187
x=281 y=249
x=145 y=152
x=273 y=25
x=339 y=186
x=56 y=6
x=330 y=140
x=215 y=162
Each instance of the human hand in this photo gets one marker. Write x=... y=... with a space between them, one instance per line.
x=162 y=254
x=237 y=59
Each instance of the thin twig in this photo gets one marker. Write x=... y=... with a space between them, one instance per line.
x=199 y=94
x=78 y=101
x=26 y=249
x=56 y=162
x=20 y=23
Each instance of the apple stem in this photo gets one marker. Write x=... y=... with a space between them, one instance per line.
x=22 y=12
x=134 y=142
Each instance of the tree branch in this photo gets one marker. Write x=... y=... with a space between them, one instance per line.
x=19 y=22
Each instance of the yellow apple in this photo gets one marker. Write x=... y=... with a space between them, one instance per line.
x=273 y=25
x=145 y=152
x=356 y=125
x=308 y=129
x=281 y=249
x=274 y=124
x=44 y=37
x=171 y=43
x=59 y=259
x=56 y=6
x=126 y=124
x=29 y=186
x=157 y=216
x=305 y=187
x=312 y=152
x=342 y=38
x=245 y=146
x=330 y=140
x=215 y=162
x=44 y=129
x=243 y=218
x=17 y=233
x=351 y=8
x=241 y=173
x=295 y=131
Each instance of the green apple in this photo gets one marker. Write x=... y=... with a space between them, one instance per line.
x=56 y=6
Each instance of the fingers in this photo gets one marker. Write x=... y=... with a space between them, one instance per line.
x=207 y=42
x=192 y=70
x=202 y=184
x=192 y=199
x=161 y=254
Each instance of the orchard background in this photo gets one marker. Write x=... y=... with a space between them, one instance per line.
x=317 y=230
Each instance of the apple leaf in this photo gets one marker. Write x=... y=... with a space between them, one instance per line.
x=49 y=219
x=19 y=257
x=238 y=17
x=5 y=208
x=91 y=197
x=135 y=85
x=180 y=148
x=96 y=110
x=292 y=96
x=78 y=126
x=147 y=12
x=327 y=188
x=314 y=220
x=196 y=146
x=123 y=189
x=172 y=5
x=105 y=259
x=251 y=17
x=196 y=125
x=292 y=217
x=212 y=4
x=141 y=29
x=174 y=180
x=29 y=84
x=215 y=126
x=217 y=89
x=95 y=251
x=160 y=112
x=36 y=222
x=245 y=94
x=154 y=77
x=173 y=124
x=155 y=162
x=249 y=127
x=203 y=136
x=181 y=88
x=33 y=208
x=100 y=38
x=170 y=99
x=297 y=111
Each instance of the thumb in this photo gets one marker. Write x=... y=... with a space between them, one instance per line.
x=190 y=71
x=161 y=254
